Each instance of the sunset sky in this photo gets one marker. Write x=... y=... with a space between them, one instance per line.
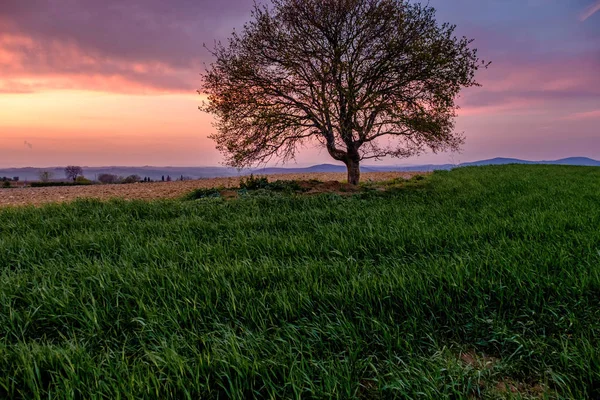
x=113 y=82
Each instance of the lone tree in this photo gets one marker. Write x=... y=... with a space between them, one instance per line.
x=73 y=171
x=365 y=78
x=45 y=176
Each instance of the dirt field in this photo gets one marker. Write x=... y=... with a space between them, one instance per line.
x=159 y=190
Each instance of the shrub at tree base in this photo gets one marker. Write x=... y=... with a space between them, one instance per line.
x=255 y=182
x=251 y=184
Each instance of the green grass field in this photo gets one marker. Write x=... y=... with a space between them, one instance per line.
x=476 y=283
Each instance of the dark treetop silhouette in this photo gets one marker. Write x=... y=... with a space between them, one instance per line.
x=73 y=171
x=347 y=73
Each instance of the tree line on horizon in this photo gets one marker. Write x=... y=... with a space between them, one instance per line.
x=74 y=175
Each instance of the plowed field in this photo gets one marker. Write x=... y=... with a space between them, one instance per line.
x=159 y=190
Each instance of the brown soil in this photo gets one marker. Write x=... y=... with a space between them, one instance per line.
x=479 y=362
x=532 y=390
x=328 y=187
x=504 y=385
x=170 y=190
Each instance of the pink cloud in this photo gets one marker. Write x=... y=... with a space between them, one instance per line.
x=591 y=10
x=524 y=86
x=29 y=66
x=583 y=116
x=548 y=74
x=510 y=105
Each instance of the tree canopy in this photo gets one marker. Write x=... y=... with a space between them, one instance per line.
x=73 y=171
x=364 y=78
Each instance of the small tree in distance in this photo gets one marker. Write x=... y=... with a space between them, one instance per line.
x=45 y=176
x=72 y=172
x=346 y=73
x=108 y=178
x=132 y=179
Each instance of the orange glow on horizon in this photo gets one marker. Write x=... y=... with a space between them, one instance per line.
x=95 y=128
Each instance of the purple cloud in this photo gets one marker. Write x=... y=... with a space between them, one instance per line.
x=591 y=10
x=156 y=45
x=145 y=42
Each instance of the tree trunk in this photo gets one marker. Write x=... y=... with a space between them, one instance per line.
x=353 y=171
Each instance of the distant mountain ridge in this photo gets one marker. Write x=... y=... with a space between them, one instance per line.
x=156 y=173
x=581 y=161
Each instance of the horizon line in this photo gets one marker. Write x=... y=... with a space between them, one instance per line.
x=294 y=167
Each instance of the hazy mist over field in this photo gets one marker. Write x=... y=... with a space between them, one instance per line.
x=157 y=173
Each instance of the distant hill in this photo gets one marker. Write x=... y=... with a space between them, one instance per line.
x=498 y=161
x=314 y=168
x=583 y=161
x=575 y=161
x=156 y=173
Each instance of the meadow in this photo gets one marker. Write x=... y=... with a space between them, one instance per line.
x=481 y=282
